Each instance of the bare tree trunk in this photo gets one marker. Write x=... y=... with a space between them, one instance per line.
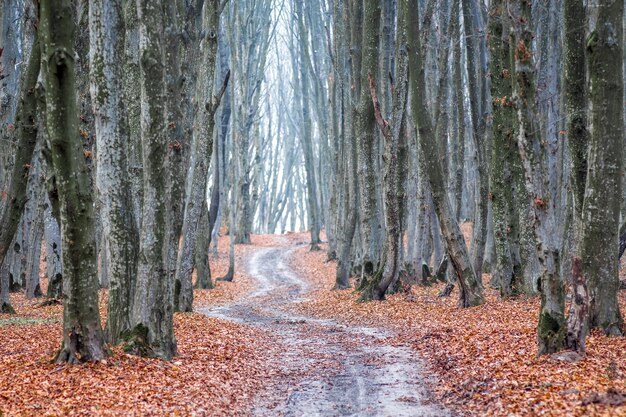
x=306 y=136
x=601 y=208
x=533 y=153
x=578 y=140
x=201 y=154
x=471 y=290
x=503 y=151
x=393 y=186
x=367 y=139
x=152 y=332
x=112 y=177
x=27 y=131
x=83 y=339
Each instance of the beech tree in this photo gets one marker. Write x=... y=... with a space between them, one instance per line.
x=601 y=207
x=151 y=321
x=112 y=175
x=83 y=339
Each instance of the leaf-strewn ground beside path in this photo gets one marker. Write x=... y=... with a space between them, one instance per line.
x=220 y=367
x=485 y=357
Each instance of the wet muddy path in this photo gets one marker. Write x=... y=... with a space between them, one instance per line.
x=324 y=368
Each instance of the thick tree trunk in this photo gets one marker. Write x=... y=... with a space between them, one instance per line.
x=601 y=208
x=83 y=339
x=471 y=290
x=393 y=182
x=503 y=151
x=152 y=332
x=533 y=153
x=368 y=140
x=112 y=176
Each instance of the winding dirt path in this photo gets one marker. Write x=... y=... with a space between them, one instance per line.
x=324 y=368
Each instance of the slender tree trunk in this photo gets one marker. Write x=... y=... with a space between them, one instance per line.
x=27 y=131
x=201 y=155
x=578 y=140
x=306 y=135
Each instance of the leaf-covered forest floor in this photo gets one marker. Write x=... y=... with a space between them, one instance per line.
x=484 y=358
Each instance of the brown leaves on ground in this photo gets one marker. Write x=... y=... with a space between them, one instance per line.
x=217 y=372
x=486 y=356
x=221 y=365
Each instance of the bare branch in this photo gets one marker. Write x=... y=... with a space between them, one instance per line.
x=380 y=120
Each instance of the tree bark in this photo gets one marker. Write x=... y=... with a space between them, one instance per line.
x=152 y=332
x=202 y=149
x=551 y=328
x=112 y=176
x=601 y=208
x=578 y=140
x=83 y=339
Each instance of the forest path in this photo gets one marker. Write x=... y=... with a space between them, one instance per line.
x=324 y=368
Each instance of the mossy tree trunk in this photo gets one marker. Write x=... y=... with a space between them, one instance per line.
x=533 y=153
x=601 y=208
x=471 y=290
x=367 y=137
x=578 y=140
x=152 y=332
x=505 y=273
x=83 y=339
x=112 y=176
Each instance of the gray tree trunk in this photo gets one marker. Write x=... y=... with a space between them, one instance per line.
x=600 y=213
x=152 y=331
x=533 y=153
x=83 y=339
x=112 y=175
x=471 y=290
x=202 y=149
